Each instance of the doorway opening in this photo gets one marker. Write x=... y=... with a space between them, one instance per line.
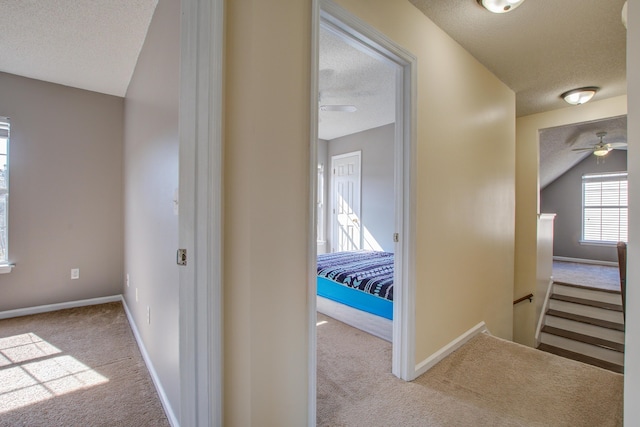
x=391 y=225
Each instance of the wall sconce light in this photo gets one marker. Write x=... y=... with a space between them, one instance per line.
x=579 y=96
x=500 y=6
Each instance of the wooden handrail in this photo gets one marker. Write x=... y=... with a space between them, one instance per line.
x=519 y=300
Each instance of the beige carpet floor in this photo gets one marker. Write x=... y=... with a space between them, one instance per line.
x=487 y=382
x=595 y=276
x=75 y=367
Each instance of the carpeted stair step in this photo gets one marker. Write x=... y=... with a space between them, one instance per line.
x=581 y=347
x=587 y=302
x=587 y=339
x=572 y=285
x=585 y=310
x=581 y=358
x=585 y=329
x=586 y=319
x=604 y=295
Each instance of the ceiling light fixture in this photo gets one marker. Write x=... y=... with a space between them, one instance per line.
x=601 y=150
x=339 y=108
x=500 y=6
x=580 y=95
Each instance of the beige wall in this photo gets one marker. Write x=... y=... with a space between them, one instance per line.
x=266 y=212
x=151 y=177
x=465 y=191
x=65 y=203
x=527 y=197
x=465 y=224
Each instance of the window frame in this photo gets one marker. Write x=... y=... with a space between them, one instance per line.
x=622 y=195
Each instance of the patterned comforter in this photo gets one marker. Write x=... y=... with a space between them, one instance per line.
x=368 y=271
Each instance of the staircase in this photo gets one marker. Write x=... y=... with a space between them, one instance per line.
x=585 y=324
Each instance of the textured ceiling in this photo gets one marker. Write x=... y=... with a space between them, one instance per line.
x=88 y=44
x=557 y=144
x=349 y=75
x=543 y=48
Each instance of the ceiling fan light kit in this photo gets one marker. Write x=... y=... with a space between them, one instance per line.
x=601 y=149
x=339 y=108
x=500 y=6
x=580 y=95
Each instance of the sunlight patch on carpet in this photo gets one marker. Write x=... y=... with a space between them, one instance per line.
x=32 y=370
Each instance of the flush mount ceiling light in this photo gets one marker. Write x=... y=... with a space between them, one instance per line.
x=500 y=6
x=579 y=96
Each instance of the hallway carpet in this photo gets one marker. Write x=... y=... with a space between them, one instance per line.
x=487 y=382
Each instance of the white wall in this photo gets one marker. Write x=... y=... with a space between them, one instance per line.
x=632 y=340
x=65 y=202
x=151 y=176
x=377 y=181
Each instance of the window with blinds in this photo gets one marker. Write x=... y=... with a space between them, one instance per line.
x=4 y=188
x=604 y=207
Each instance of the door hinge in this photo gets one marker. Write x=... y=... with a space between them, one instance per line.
x=181 y=257
x=396 y=237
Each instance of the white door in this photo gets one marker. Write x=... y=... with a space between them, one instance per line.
x=347 y=234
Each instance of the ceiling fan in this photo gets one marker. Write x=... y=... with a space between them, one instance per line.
x=339 y=108
x=601 y=149
x=328 y=80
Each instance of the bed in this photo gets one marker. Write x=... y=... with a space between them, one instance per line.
x=358 y=279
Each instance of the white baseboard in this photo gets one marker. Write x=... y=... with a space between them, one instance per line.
x=432 y=360
x=8 y=314
x=585 y=261
x=173 y=420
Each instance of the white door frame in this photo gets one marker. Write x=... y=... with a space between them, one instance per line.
x=334 y=228
x=200 y=226
x=330 y=14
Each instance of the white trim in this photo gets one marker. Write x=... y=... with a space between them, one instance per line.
x=6 y=268
x=313 y=218
x=200 y=215
x=403 y=359
x=164 y=400
x=8 y=314
x=597 y=243
x=543 y=312
x=436 y=357
x=585 y=261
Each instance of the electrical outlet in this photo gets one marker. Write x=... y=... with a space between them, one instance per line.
x=136 y=294
x=148 y=315
x=75 y=273
x=126 y=280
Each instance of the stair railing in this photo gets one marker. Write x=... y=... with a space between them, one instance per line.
x=524 y=298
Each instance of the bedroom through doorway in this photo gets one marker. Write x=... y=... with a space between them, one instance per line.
x=361 y=150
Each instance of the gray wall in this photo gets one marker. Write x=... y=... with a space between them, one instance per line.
x=377 y=197
x=65 y=202
x=151 y=177
x=564 y=198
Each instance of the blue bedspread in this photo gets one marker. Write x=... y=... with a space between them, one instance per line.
x=368 y=271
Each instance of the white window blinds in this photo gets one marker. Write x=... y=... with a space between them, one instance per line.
x=605 y=207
